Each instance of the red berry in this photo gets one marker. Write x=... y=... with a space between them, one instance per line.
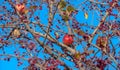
x=68 y=39
x=32 y=61
x=31 y=45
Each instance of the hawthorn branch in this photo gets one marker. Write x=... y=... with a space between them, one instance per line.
x=67 y=23
x=96 y=2
x=102 y=21
x=50 y=4
x=42 y=27
x=93 y=34
x=111 y=57
x=7 y=26
x=51 y=39
x=16 y=56
x=50 y=51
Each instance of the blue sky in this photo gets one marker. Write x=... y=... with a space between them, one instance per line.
x=43 y=14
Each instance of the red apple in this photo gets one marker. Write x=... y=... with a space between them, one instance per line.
x=20 y=7
x=68 y=39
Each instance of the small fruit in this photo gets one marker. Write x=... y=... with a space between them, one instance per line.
x=102 y=42
x=32 y=60
x=31 y=45
x=68 y=39
x=16 y=33
x=20 y=7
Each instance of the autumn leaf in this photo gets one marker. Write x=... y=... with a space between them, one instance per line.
x=62 y=4
x=26 y=11
x=79 y=32
x=77 y=55
x=70 y=9
x=33 y=7
x=65 y=17
x=86 y=15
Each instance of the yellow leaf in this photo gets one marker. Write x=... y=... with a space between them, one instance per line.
x=77 y=55
x=86 y=15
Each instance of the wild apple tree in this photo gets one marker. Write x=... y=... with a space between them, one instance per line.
x=51 y=34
